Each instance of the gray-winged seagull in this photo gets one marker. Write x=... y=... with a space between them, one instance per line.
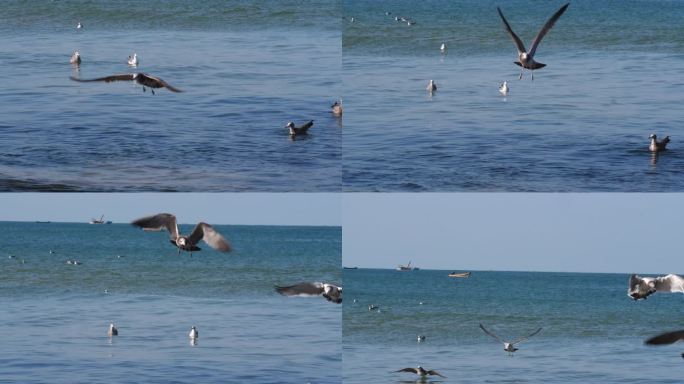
x=75 y=58
x=112 y=331
x=297 y=131
x=657 y=146
x=141 y=78
x=331 y=292
x=642 y=287
x=509 y=346
x=422 y=372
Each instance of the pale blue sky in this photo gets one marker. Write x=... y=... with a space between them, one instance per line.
x=565 y=232
x=215 y=208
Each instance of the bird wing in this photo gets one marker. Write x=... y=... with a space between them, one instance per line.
x=412 y=370
x=306 y=126
x=546 y=28
x=206 y=232
x=516 y=39
x=666 y=338
x=432 y=373
x=520 y=340
x=158 y=222
x=669 y=283
x=491 y=334
x=107 y=79
x=169 y=87
x=304 y=289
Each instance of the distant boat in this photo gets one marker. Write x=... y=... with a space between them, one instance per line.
x=101 y=221
x=462 y=274
x=406 y=267
x=43 y=222
x=351 y=267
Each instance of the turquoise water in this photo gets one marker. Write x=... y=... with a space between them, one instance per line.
x=592 y=332
x=56 y=315
x=246 y=69
x=613 y=77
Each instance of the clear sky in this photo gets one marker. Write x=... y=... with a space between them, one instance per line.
x=591 y=232
x=214 y=208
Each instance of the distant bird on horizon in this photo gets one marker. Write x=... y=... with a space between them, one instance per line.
x=525 y=57
x=112 y=331
x=202 y=231
x=657 y=146
x=298 y=131
x=431 y=87
x=503 y=88
x=133 y=60
x=75 y=58
x=666 y=338
x=329 y=291
x=642 y=287
x=141 y=78
x=336 y=108
x=193 y=333
x=509 y=346
x=422 y=372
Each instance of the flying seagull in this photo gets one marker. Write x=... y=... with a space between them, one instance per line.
x=503 y=88
x=112 y=331
x=75 y=58
x=642 y=287
x=330 y=291
x=525 y=57
x=141 y=78
x=336 y=108
x=657 y=146
x=666 y=338
x=509 y=346
x=133 y=60
x=422 y=372
x=202 y=231
x=296 y=131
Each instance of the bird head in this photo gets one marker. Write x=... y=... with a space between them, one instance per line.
x=653 y=136
x=290 y=125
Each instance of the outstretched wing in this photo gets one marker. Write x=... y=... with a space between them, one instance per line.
x=520 y=340
x=669 y=283
x=432 y=373
x=516 y=39
x=107 y=79
x=305 y=289
x=306 y=126
x=666 y=338
x=412 y=370
x=158 y=222
x=168 y=86
x=546 y=28
x=491 y=334
x=206 y=232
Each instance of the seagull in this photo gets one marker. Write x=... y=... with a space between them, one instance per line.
x=666 y=338
x=421 y=338
x=509 y=347
x=202 y=231
x=75 y=58
x=373 y=307
x=657 y=146
x=73 y=262
x=525 y=57
x=443 y=48
x=79 y=25
x=193 y=333
x=422 y=372
x=431 y=87
x=133 y=60
x=642 y=287
x=337 y=108
x=296 y=131
x=503 y=88
x=141 y=78
x=330 y=291
x=112 y=331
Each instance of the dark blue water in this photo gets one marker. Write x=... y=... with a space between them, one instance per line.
x=246 y=70
x=591 y=330
x=613 y=77
x=55 y=316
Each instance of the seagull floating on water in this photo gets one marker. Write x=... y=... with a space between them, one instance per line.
x=297 y=131
x=336 y=108
x=331 y=292
x=79 y=25
x=202 y=231
x=373 y=307
x=642 y=287
x=133 y=60
x=666 y=338
x=431 y=87
x=75 y=58
x=141 y=78
x=421 y=338
x=422 y=372
x=503 y=88
x=443 y=48
x=193 y=333
x=112 y=331
x=526 y=58
x=657 y=146
x=509 y=346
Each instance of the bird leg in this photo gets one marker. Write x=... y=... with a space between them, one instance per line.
x=143 y=88
x=521 y=73
x=532 y=75
x=153 y=89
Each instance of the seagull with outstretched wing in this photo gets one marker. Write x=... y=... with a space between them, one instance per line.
x=202 y=231
x=141 y=78
x=509 y=346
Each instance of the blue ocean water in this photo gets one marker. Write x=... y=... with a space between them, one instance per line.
x=55 y=316
x=246 y=69
x=592 y=332
x=614 y=76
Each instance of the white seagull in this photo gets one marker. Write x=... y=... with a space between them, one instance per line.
x=657 y=146
x=331 y=292
x=431 y=87
x=503 y=88
x=642 y=287
x=525 y=57
x=422 y=372
x=79 y=25
x=202 y=231
x=509 y=346
x=133 y=60
x=141 y=78
x=112 y=331
x=75 y=58
x=443 y=48
x=193 y=333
